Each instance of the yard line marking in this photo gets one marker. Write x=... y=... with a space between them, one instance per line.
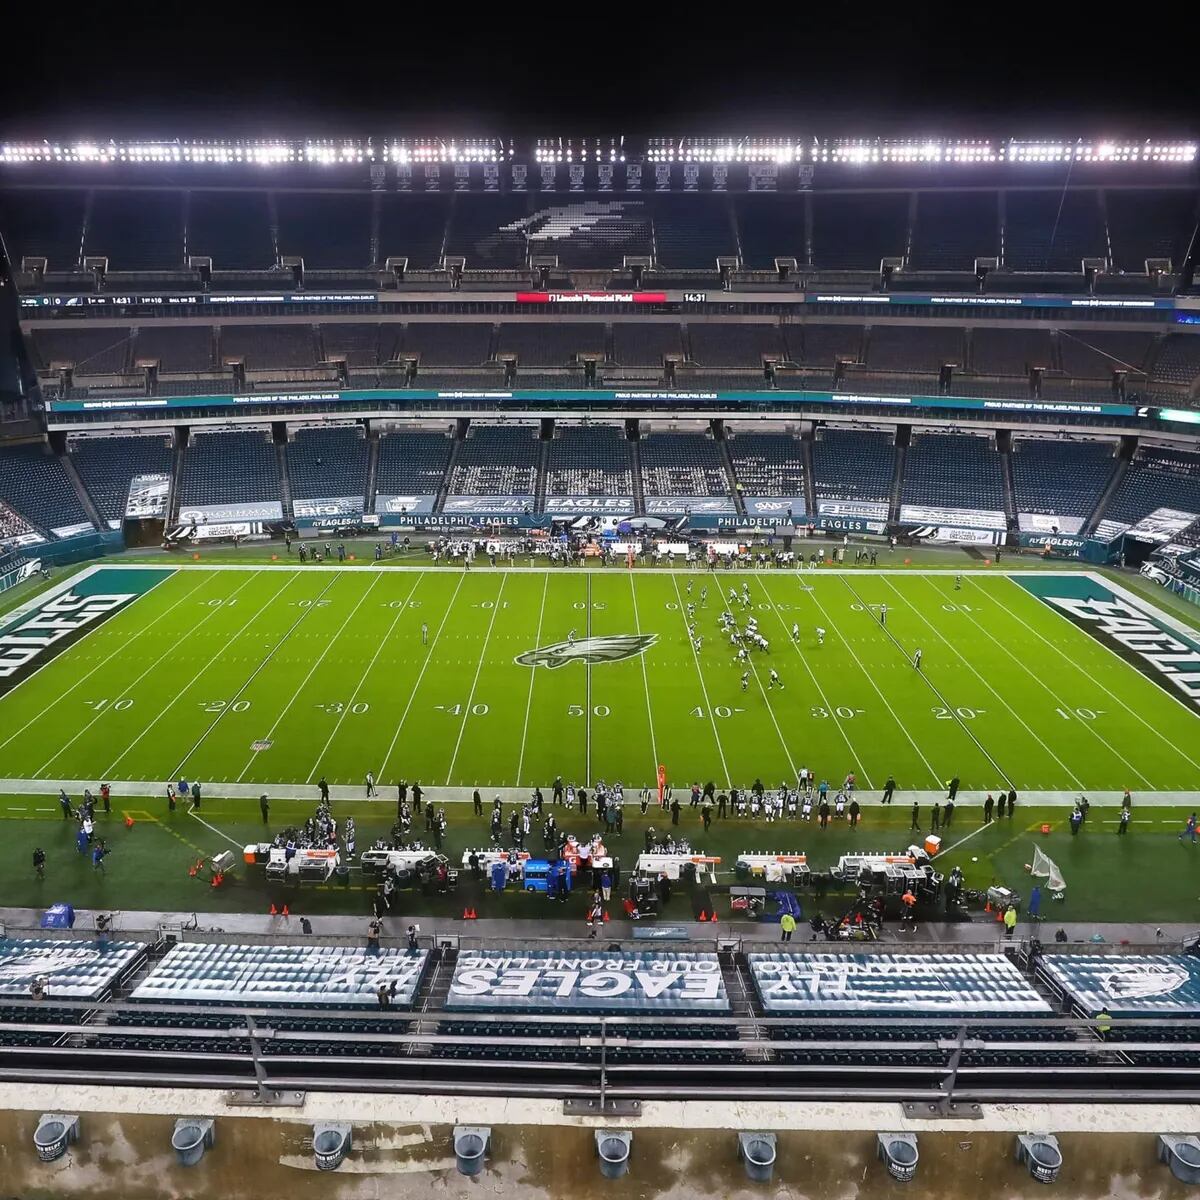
x=532 y=676
x=703 y=687
x=832 y=710
x=637 y=628
x=208 y=826
x=420 y=676
x=587 y=669
x=475 y=682
x=321 y=658
x=103 y=662
x=253 y=675
x=771 y=712
x=152 y=667
x=1113 y=695
x=370 y=666
x=1046 y=687
x=870 y=679
x=970 y=667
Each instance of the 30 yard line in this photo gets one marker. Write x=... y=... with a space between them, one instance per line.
x=475 y=682
x=537 y=641
x=1045 y=687
x=420 y=675
x=970 y=667
x=1109 y=693
x=128 y=687
x=103 y=663
x=320 y=659
x=370 y=666
x=253 y=676
x=637 y=628
x=703 y=687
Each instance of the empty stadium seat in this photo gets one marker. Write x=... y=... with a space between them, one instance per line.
x=328 y=463
x=230 y=468
x=590 y=460
x=953 y=470
x=1060 y=478
x=853 y=465
x=682 y=464
x=107 y=465
x=767 y=464
x=1157 y=478
x=36 y=485
x=496 y=460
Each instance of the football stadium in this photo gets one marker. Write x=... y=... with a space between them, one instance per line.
x=595 y=662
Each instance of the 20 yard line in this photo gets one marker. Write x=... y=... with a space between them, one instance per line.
x=420 y=675
x=383 y=641
x=475 y=682
x=103 y=662
x=703 y=687
x=320 y=659
x=253 y=676
x=637 y=628
x=537 y=641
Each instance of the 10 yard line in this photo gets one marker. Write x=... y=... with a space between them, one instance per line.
x=420 y=675
x=703 y=687
x=537 y=641
x=370 y=666
x=475 y=682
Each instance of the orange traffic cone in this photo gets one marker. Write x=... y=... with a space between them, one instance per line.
x=999 y=914
x=216 y=880
x=713 y=919
x=285 y=911
x=987 y=906
x=606 y=918
x=703 y=915
x=274 y=911
x=128 y=821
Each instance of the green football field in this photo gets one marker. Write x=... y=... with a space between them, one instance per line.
x=277 y=676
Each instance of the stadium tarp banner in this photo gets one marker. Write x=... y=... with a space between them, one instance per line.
x=1061 y=545
x=620 y=981
x=148 y=496
x=389 y=507
x=958 y=518
x=582 y=506
x=43 y=629
x=194 y=972
x=1162 y=525
x=10 y=579
x=893 y=984
x=219 y=514
x=73 y=970
x=850 y=525
x=698 y=506
x=954 y=535
x=1129 y=985
x=1042 y=523
x=490 y=505
x=334 y=506
x=785 y=508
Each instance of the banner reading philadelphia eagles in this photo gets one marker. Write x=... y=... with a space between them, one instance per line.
x=893 y=984
x=73 y=970
x=33 y=634
x=221 y=974
x=624 y=981
x=1129 y=985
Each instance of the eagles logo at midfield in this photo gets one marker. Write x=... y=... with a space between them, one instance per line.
x=589 y=650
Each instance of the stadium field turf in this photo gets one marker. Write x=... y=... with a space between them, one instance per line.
x=277 y=676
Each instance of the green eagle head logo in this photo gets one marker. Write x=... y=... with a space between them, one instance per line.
x=590 y=650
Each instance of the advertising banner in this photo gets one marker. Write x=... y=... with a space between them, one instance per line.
x=1162 y=525
x=658 y=506
x=952 y=985
x=625 y=981
x=41 y=631
x=1043 y=523
x=786 y=508
x=1061 y=545
x=1129 y=985
x=338 y=506
x=194 y=972
x=147 y=496
x=580 y=506
x=215 y=514
x=488 y=504
x=72 y=970
x=954 y=535
x=1137 y=634
x=387 y=506
x=959 y=518
x=866 y=510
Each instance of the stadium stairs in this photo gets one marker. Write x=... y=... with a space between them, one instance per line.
x=903 y=438
x=460 y=433
x=1004 y=446
x=718 y=432
x=181 y=437
x=539 y=487
x=1124 y=458
x=279 y=437
x=85 y=499
x=810 y=488
x=372 y=486
x=635 y=462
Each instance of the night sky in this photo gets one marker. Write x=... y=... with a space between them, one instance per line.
x=254 y=69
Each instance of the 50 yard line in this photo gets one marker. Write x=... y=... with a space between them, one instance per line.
x=475 y=682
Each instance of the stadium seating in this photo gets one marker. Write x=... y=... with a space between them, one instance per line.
x=856 y=231
x=43 y=223
x=914 y=348
x=496 y=460
x=851 y=464
x=691 y=232
x=1052 y=231
x=589 y=460
x=767 y=464
x=327 y=463
x=230 y=468
x=817 y=345
x=356 y=343
x=682 y=464
x=733 y=344
x=36 y=485
x=326 y=229
x=1178 y=361
x=413 y=227
x=954 y=470
x=233 y=228
x=771 y=227
x=136 y=230
x=1060 y=478
x=542 y=344
x=412 y=462
x=268 y=347
x=953 y=229
x=1146 y=224
x=1088 y=355
x=1010 y=351
x=489 y=231
x=176 y=348
x=645 y=344
x=103 y=351
x=12 y=525
x=441 y=344
x=108 y=464
x=1157 y=478
x=585 y=234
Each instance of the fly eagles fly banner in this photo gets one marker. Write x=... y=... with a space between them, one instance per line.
x=624 y=981
x=33 y=635
x=1139 y=635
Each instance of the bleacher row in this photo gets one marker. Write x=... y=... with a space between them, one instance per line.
x=1029 y=230
x=1058 y=478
